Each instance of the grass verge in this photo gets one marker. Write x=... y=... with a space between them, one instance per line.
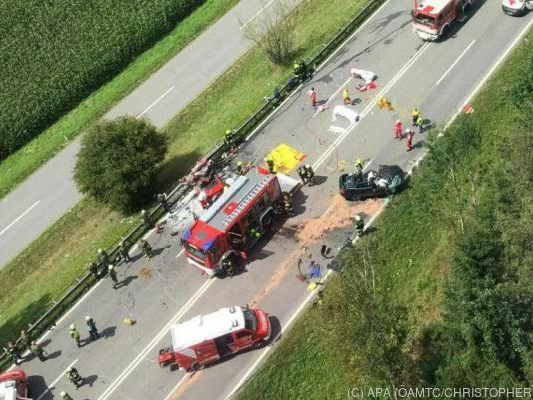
x=17 y=167
x=340 y=344
x=235 y=95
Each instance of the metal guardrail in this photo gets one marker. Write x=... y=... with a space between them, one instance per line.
x=84 y=283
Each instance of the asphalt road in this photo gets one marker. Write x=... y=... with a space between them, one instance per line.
x=50 y=192
x=165 y=289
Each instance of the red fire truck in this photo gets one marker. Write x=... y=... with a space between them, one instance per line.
x=14 y=385
x=432 y=18
x=208 y=338
x=236 y=221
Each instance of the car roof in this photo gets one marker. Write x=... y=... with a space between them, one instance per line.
x=8 y=390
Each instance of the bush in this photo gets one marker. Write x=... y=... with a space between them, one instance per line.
x=55 y=53
x=118 y=162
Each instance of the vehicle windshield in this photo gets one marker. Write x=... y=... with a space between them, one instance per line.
x=195 y=251
x=425 y=19
x=250 y=320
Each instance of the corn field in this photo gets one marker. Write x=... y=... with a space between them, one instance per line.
x=54 y=53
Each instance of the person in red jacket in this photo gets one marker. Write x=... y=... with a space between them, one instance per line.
x=312 y=94
x=398 y=129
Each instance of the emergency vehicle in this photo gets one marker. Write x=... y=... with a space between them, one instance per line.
x=236 y=221
x=208 y=338
x=14 y=385
x=432 y=18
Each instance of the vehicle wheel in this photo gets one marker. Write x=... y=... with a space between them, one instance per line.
x=259 y=345
x=467 y=11
x=445 y=32
x=196 y=367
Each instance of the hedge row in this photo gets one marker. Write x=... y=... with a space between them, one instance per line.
x=54 y=53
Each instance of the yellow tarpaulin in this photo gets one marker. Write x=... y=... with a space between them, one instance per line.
x=285 y=158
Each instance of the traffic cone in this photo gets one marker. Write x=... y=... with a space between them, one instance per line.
x=468 y=109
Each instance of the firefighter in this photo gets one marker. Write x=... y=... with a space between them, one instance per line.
x=123 y=252
x=103 y=257
x=346 y=97
x=286 y=200
x=37 y=351
x=415 y=114
x=25 y=338
x=270 y=165
x=74 y=377
x=359 y=225
x=409 y=133
x=113 y=275
x=420 y=124
x=228 y=266
x=310 y=174
x=75 y=334
x=313 y=96
x=162 y=199
x=300 y=70
x=145 y=248
x=91 y=328
x=302 y=174
x=147 y=219
x=398 y=129
x=229 y=137
x=93 y=269
x=358 y=172
x=239 y=170
x=65 y=396
x=13 y=351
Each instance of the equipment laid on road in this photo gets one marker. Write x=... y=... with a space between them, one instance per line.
x=236 y=220
x=432 y=18
x=208 y=338
x=346 y=112
x=13 y=385
x=517 y=8
x=384 y=182
x=367 y=76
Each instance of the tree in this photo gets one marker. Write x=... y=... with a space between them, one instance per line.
x=275 y=34
x=118 y=162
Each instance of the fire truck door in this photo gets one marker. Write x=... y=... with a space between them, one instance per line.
x=243 y=339
x=206 y=352
x=224 y=344
x=236 y=237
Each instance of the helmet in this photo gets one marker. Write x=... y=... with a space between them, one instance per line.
x=63 y=394
x=72 y=326
x=408 y=130
x=99 y=250
x=70 y=369
x=307 y=166
x=87 y=318
x=239 y=164
x=143 y=212
x=398 y=121
x=34 y=342
x=111 y=267
x=359 y=161
x=358 y=218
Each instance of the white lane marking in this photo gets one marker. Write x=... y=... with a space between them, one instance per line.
x=256 y=14
x=376 y=215
x=371 y=105
x=455 y=62
x=491 y=71
x=180 y=382
x=56 y=380
x=336 y=129
x=180 y=253
x=335 y=93
x=19 y=218
x=125 y=373
x=155 y=102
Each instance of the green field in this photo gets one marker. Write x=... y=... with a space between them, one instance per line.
x=72 y=241
x=27 y=87
x=440 y=293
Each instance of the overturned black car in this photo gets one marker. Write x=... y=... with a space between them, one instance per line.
x=386 y=181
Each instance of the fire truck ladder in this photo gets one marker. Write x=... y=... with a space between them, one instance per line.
x=244 y=203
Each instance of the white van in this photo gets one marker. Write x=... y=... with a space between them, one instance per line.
x=517 y=7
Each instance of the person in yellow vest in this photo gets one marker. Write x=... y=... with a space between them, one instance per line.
x=75 y=334
x=346 y=97
x=415 y=114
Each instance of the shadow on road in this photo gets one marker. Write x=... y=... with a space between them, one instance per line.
x=125 y=282
x=89 y=380
x=108 y=332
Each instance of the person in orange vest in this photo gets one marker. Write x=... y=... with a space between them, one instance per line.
x=398 y=129
x=410 y=135
x=312 y=94
x=346 y=97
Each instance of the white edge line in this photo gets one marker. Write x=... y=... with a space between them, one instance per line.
x=455 y=62
x=256 y=14
x=155 y=102
x=52 y=385
x=19 y=217
x=373 y=218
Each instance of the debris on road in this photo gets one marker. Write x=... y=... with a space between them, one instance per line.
x=343 y=111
